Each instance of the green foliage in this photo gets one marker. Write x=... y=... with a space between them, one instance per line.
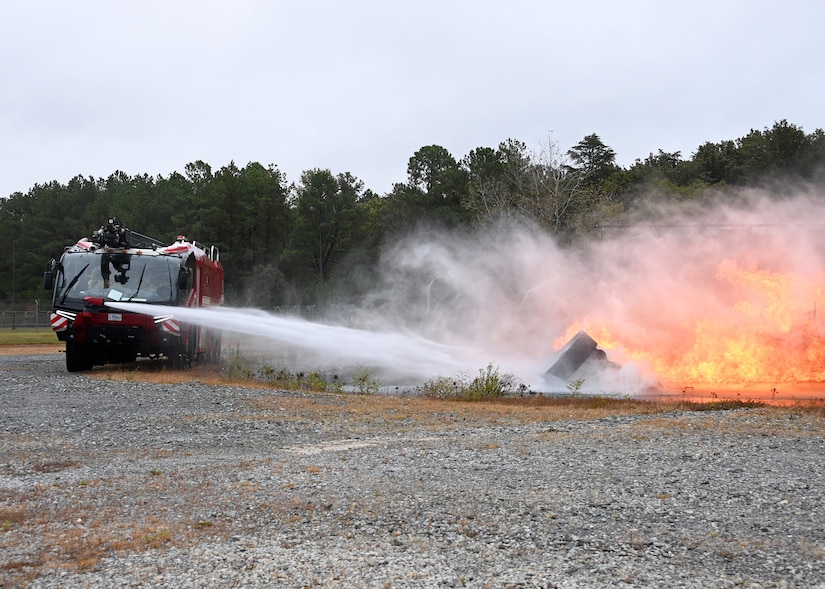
x=365 y=381
x=286 y=244
x=574 y=387
x=273 y=376
x=282 y=378
x=315 y=381
x=264 y=287
x=434 y=193
x=238 y=367
x=489 y=384
x=441 y=387
x=593 y=159
x=329 y=217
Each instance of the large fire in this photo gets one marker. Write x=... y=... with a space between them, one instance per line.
x=769 y=332
x=725 y=294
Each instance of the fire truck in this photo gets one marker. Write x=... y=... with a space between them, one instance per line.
x=117 y=265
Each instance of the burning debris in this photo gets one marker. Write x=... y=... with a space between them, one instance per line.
x=581 y=355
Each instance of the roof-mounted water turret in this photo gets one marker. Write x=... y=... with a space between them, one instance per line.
x=114 y=235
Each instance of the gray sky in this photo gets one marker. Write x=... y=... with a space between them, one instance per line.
x=147 y=86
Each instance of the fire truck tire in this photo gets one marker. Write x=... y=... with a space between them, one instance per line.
x=179 y=358
x=78 y=357
x=184 y=354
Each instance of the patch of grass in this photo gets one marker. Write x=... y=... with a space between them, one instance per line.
x=721 y=405
x=156 y=538
x=11 y=517
x=374 y=414
x=27 y=336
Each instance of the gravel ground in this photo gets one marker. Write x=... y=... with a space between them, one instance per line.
x=131 y=484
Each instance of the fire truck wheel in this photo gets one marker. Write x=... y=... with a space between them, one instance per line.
x=183 y=354
x=177 y=357
x=78 y=357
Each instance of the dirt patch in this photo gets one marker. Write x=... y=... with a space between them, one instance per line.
x=31 y=349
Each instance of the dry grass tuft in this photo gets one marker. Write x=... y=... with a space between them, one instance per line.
x=159 y=373
x=419 y=411
x=15 y=349
x=11 y=517
x=55 y=465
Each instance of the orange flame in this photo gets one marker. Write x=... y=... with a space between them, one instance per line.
x=768 y=331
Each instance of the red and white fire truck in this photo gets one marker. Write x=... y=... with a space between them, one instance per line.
x=117 y=265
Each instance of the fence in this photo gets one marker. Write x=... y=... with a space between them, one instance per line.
x=24 y=320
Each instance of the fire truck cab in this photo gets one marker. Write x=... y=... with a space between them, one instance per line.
x=119 y=265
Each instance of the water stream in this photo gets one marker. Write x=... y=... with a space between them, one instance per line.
x=401 y=353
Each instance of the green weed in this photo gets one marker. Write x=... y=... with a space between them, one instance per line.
x=238 y=367
x=489 y=384
x=365 y=381
x=575 y=386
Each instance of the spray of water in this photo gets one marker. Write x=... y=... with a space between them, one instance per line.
x=404 y=354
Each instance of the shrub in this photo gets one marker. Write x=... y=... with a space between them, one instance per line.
x=237 y=367
x=365 y=382
x=489 y=384
x=316 y=381
x=442 y=387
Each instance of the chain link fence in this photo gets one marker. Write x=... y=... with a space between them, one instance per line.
x=24 y=319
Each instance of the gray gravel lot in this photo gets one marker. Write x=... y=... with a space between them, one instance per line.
x=130 y=484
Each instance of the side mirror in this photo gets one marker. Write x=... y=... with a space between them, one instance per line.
x=183 y=279
x=48 y=275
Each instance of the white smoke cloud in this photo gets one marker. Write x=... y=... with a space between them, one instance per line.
x=513 y=294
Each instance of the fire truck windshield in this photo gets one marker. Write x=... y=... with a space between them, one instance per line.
x=117 y=277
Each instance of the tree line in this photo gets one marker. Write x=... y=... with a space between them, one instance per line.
x=305 y=242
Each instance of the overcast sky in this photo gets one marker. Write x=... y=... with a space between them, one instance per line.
x=147 y=86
